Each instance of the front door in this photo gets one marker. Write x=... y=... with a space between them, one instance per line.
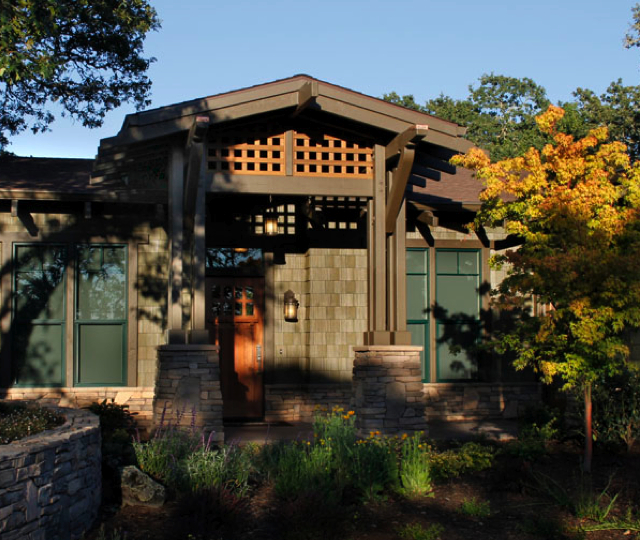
x=235 y=319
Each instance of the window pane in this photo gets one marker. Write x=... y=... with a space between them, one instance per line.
x=417 y=300
x=461 y=361
x=417 y=261
x=457 y=297
x=39 y=283
x=37 y=354
x=446 y=262
x=100 y=349
x=234 y=258
x=419 y=336
x=101 y=283
x=468 y=262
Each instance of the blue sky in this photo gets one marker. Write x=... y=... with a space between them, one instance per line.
x=414 y=47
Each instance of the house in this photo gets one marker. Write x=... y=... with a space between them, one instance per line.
x=252 y=255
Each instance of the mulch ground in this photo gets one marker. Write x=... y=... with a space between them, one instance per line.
x=521 y=507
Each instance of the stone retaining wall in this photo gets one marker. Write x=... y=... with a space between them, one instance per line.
x=473 y=401
x=51 y=483
x=138 y=398
x=388 y=389
x=298 y=403
x=189 y=381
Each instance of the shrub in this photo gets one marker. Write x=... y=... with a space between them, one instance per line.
x=470 y=457
x=616 y=408
x=415 y=531
x=18 y=420
x=113 y=417
x=372 y=468
x=475 y=508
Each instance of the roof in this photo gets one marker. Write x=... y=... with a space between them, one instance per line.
x=53 y=178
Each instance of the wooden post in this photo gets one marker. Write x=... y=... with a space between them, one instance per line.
x=198 y=332
x=176 y=223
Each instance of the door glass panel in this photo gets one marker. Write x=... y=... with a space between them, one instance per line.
x=229 y=258
x=249 y=292
x=239 y=293
x=215 y=291
x=238 y=309
x=249 y=308
x=228 y=293
x=226 y=308
x=215 y=308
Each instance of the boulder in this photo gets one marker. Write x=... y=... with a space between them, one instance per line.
x=139 y=489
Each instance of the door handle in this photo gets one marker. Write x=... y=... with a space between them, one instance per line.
x=259 y=357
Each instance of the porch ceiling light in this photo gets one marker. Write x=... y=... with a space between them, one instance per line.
x=271 y=224
x=290 y=307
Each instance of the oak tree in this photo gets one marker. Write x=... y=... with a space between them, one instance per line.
x=84 y=55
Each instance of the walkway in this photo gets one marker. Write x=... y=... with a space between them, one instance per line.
x=260 y=433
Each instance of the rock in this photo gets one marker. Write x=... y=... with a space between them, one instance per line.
x=139 y=489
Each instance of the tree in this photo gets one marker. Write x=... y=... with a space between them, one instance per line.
x=575 y=207
x=85 y=55
x=618 y=109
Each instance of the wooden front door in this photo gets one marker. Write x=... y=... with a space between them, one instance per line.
x=235 y=319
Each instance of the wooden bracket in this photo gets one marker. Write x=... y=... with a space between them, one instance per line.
x=396 y=193
x=411 y=135
x=194 y=154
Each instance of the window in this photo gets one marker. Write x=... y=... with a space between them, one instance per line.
x=100 y=324
x=39 y=315
x=443 y=310
x=40 y=330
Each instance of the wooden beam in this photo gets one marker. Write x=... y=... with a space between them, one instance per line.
x=379 y=244
x=290 y=185
x=194 y=152
x=396 y=193
x=87 y=210
x=410 y=135
x=306 y=96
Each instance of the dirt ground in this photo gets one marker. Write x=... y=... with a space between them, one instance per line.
x=526 y=500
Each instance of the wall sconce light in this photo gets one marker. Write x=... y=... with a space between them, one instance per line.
x=290 y=307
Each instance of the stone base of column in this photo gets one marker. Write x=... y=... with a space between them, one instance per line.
x=187 y=389
x=388 y=389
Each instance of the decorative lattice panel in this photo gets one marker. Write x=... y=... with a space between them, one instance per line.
x=337 y=213
x=247 y=154
x=285 y=214
x=329 y=156
x=322 y=155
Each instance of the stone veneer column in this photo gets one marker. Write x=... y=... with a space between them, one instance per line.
x=188 y=382
x=388 y=389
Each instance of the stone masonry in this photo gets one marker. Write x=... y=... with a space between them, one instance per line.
x=50 y=483
x=388 y=389
x=188 y=389
x=298 y=403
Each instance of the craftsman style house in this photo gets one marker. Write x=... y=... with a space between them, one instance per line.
x=280 y=231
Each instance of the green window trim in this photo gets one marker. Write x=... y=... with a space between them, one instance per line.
x=418 y=320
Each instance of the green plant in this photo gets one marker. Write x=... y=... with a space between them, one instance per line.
x=114 y=534
x=475 y=508
x=415 y=468
x=164 y=455
x=372 y=468
x=470 y=457
x=228 y=467
x=543 y=526
x=416 y=531
x=19 y=420
x=113 y=417
x=616 y=408
x=594 y=505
